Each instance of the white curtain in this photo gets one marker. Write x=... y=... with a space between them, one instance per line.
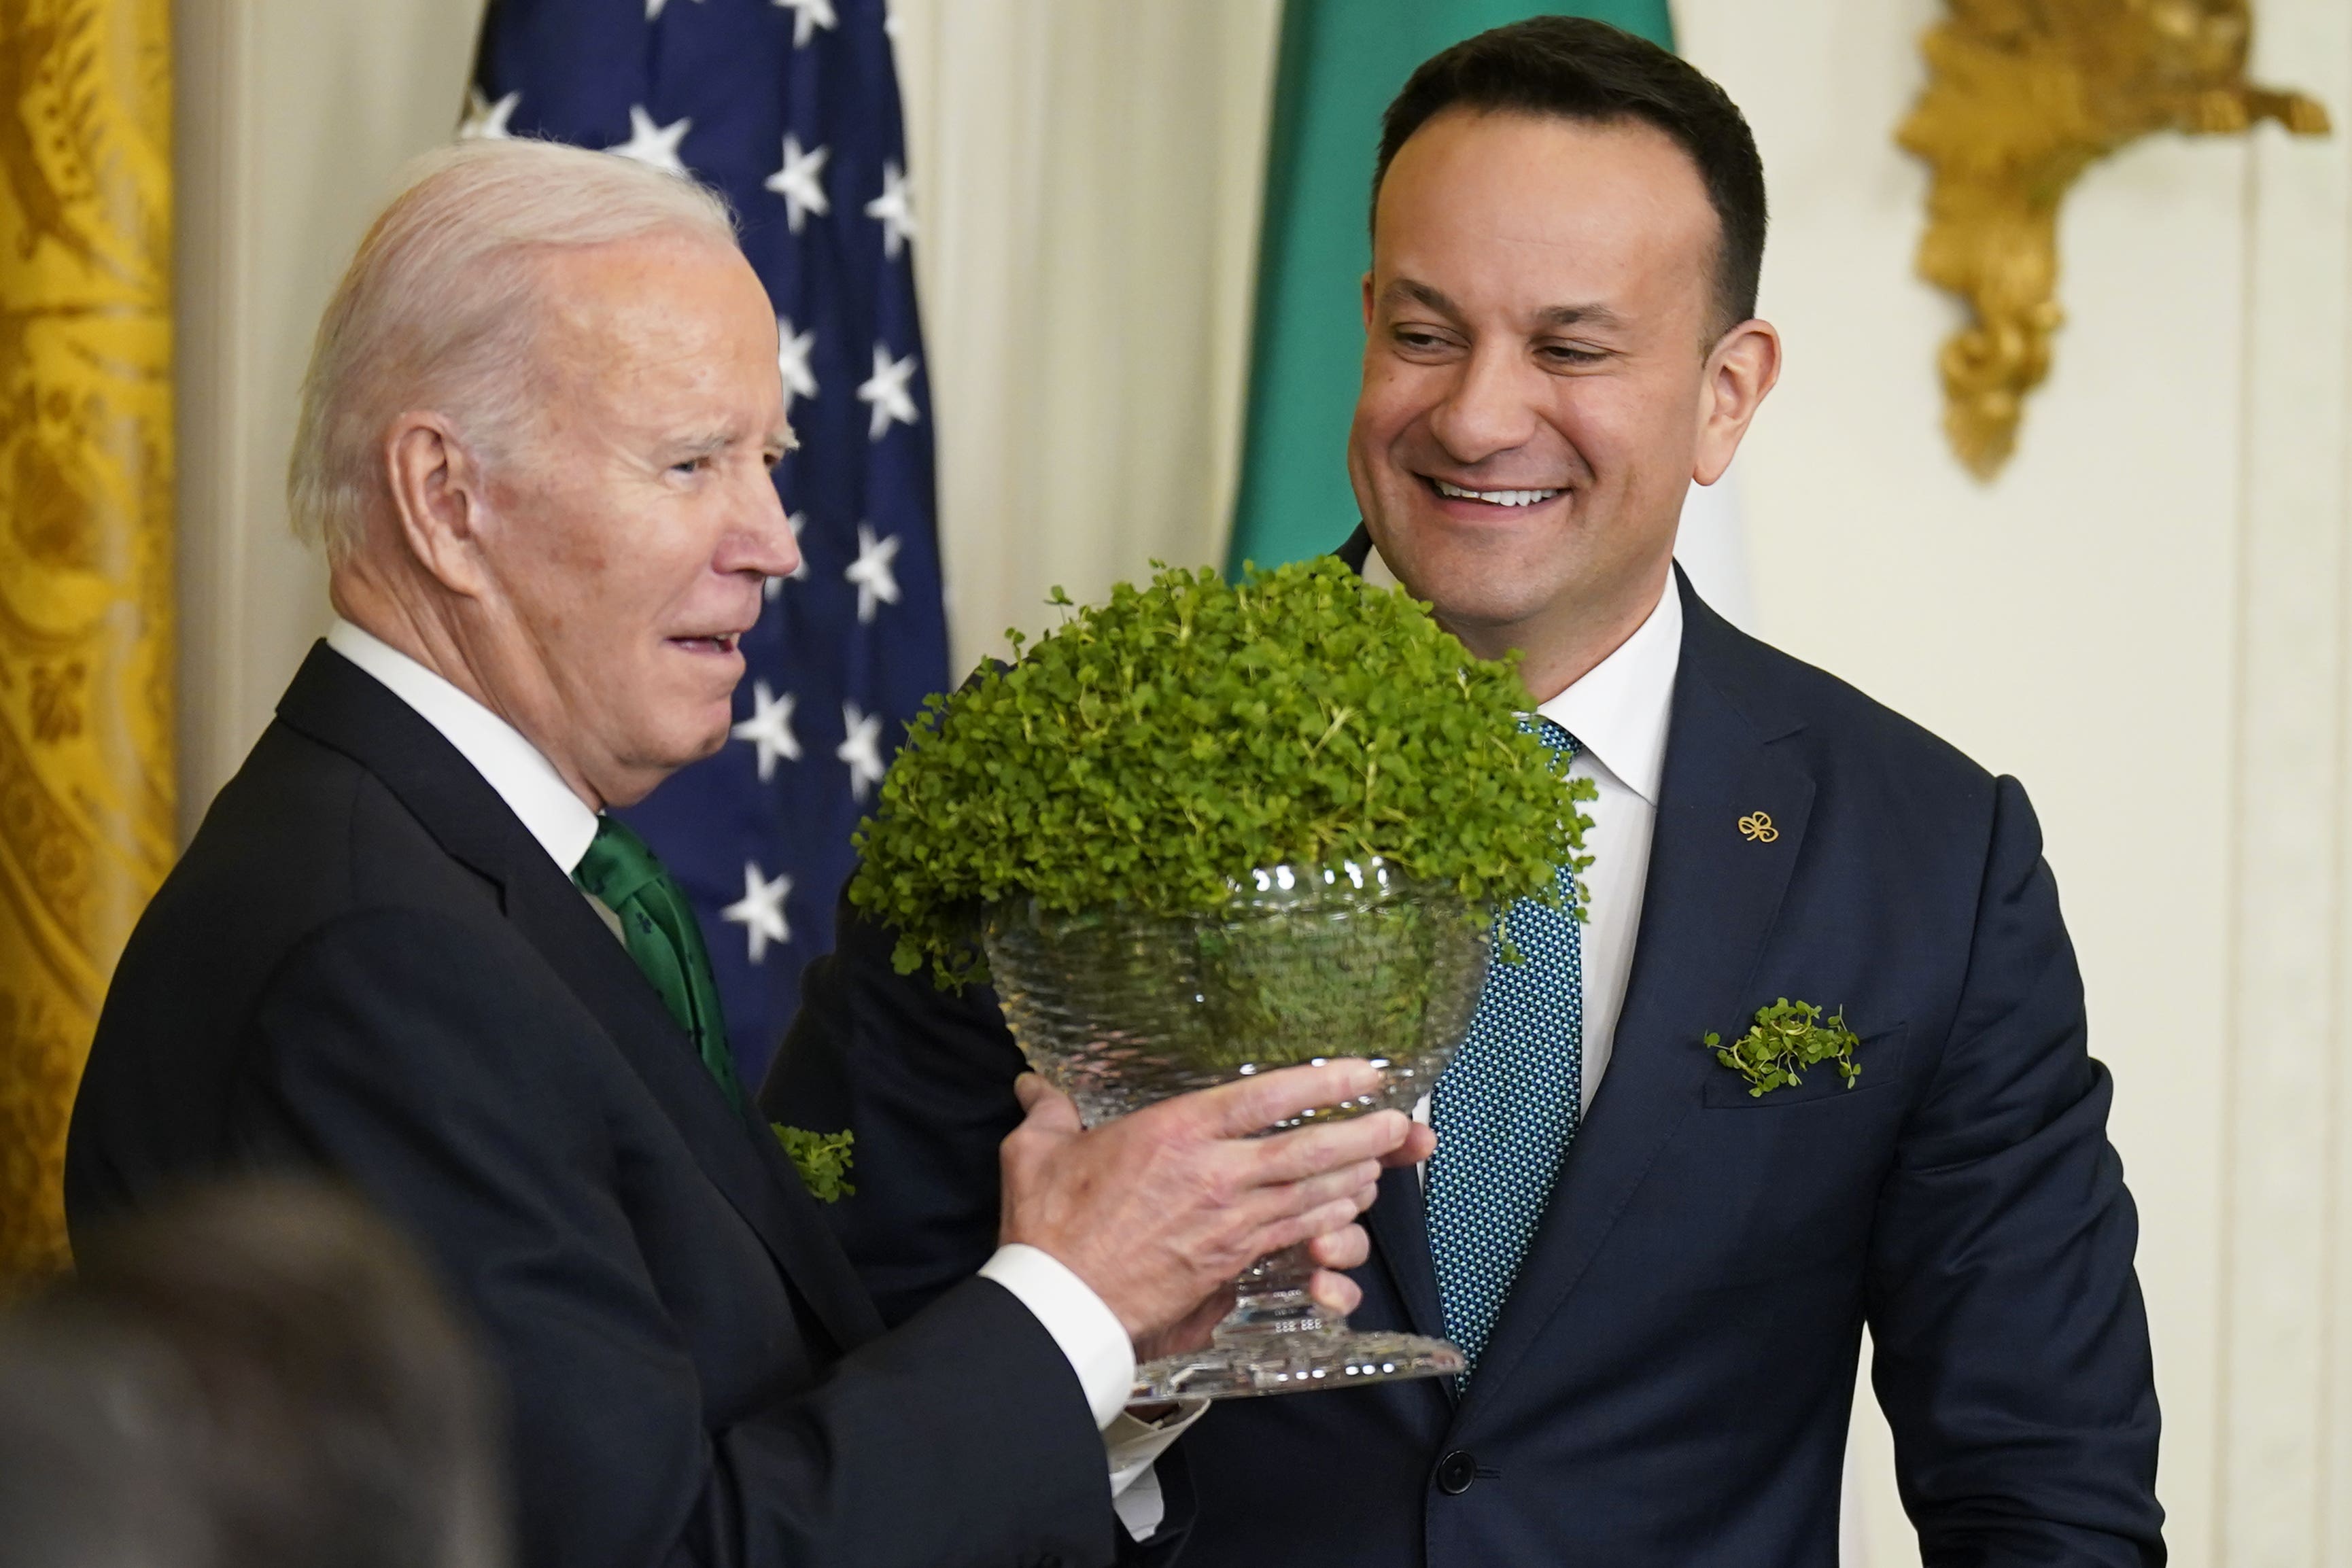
x=1086 y=180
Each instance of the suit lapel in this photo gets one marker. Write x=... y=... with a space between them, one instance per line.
x=737 y=1153
x=1399 y=1226
x=1710 y=900
x=336 y=704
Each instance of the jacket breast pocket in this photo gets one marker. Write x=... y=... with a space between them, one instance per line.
x=1880 y=1057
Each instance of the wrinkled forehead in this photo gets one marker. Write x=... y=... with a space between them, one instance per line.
x=663 y=315
x=657 y=294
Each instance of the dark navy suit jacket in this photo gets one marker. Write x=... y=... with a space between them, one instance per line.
x=366 y=963
x=1670 y=1380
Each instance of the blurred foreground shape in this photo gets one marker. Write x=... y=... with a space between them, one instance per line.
x=259 y=1376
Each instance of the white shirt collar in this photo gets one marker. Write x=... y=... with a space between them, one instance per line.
x=1619 y=711
x=523 y=778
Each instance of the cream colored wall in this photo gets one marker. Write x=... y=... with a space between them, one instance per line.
x=2148 y=619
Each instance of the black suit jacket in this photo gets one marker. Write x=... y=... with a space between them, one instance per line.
x=365 y=963
x=1670 y=1380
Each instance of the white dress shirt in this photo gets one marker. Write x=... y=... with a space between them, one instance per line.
x=1085 y=1329
x=1618 y=713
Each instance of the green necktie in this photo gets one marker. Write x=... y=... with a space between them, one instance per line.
x=658 y=927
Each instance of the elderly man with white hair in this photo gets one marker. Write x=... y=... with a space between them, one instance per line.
x=409 y=947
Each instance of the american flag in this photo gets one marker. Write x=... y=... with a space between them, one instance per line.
x=790 y=108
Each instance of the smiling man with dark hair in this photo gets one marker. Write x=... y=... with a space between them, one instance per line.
x=1659 y=1265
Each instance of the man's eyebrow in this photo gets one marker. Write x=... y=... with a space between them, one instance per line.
x=1423 y=295
x=689 y=448
x=1589 y=315
x=1579 y=316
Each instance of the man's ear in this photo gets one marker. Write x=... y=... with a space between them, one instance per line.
x=1740 y=371
x=438 y=500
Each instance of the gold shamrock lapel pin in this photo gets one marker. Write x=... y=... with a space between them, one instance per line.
x=1757 y=827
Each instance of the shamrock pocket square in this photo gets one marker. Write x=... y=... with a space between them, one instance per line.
x=1787 y=1040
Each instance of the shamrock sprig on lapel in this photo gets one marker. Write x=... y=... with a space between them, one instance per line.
x=822 y=1159
x=1787 y=1038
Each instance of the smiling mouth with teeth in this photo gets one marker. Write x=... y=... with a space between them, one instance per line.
x=1493 y=497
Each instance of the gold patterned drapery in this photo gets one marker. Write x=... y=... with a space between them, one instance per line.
x=85 y=666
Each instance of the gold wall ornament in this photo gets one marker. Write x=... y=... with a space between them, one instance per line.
x=2021 y=97
x=86 y=665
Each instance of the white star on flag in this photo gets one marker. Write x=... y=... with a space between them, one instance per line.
x=792 y=359
x=801 y=183
x=769 y=729
x=871 y=572
x=862 y=749
x=808 y=16
x=886 y=391
x=761 y=910
x=654 y=145
x=484 y=120
x=654 y=9
x=893 y=209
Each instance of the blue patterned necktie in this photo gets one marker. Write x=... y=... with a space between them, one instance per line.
x=1506 y=1110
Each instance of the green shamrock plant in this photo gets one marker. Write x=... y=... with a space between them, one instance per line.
x=1152 y=750
x=1787 y=1038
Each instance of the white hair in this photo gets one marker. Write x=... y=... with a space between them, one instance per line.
x=437 y=308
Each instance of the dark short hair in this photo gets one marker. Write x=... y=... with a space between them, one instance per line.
x=1577 y=68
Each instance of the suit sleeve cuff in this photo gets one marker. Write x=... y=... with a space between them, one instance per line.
x=1087 y=1331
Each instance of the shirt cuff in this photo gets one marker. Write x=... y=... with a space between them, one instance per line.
x=1142 y=1507
x=1133 y=1446
x=1088 y=1333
